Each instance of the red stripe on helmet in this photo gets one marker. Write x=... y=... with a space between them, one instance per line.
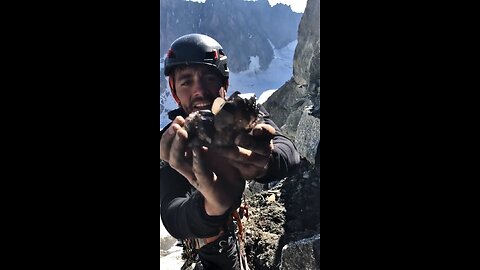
x=170 y=53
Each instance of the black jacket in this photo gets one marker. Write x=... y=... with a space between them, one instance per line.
x=182 y=206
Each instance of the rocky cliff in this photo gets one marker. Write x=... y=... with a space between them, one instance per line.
x=244 y=28
x=295 y=107
x=283 y=230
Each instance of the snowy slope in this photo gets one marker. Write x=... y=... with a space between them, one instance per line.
x=256 y=81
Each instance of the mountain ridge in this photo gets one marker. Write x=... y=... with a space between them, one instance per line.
x=243 y=28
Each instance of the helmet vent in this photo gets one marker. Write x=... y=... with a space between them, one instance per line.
x=212 y=56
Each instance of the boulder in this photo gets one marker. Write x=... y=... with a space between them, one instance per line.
x=286 y=100
x=307 y=136
x=303 y=254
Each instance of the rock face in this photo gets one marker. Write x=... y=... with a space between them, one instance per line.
x=308 y=42
x=284 y=215
x=244 y=28
x=295 y=106
x=283 y=231
x=283 y=104
x=304 y=140
x=302 y=254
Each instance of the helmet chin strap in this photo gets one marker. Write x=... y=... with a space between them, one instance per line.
x=172 y=90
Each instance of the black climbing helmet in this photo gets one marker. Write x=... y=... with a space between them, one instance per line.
x=196 y=49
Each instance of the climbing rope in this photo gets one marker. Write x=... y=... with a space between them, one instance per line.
x=238 y=214
x=191 y=245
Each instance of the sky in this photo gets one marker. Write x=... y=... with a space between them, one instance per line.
x=296 y=5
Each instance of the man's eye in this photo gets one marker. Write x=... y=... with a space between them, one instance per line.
x=186 y=83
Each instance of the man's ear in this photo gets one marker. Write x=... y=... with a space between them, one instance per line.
x=223 y=92
x=225 y=87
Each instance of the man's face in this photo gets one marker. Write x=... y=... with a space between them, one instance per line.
x=197 y=86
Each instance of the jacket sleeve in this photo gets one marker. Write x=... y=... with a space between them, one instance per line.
x=284 y=158
x=182 y=210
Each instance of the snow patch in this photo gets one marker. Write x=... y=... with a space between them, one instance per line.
x=167 y=103
x=257 y=81
x=271 y=44
x=246 y=95
x=254 y=63
x=163 y=231
x=172 y=261
x=265 y=95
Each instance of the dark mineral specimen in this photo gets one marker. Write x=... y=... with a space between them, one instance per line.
x=227 y=120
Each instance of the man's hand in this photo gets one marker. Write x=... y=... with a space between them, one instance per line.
x=174 y=150
x=253 y=152
x=219 y=182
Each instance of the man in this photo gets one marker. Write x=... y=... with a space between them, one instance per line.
x=201 y=187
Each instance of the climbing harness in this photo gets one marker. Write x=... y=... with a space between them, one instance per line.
x=192 y=245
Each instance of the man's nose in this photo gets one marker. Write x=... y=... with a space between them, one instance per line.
x=198 y=87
